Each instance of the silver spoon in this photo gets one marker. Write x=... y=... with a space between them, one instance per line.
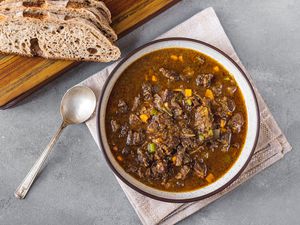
x=77 y=106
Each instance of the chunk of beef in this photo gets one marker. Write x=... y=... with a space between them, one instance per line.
x=181 y=175
x=138 y=138
x=126 y=150
x=134 y=120
x=217 y=89
x=204 y=80
x=159 y=153
x=178 y=112
x=152 y=127
x=168 y=124
x=163 y=121
x=174 y=104
x=226 y=140
x=142 y=157
x=236 y=123
x=114 y=126
x=122 y=107
x=171 y=141
x=158 y=103
x=231 y=90
x=129 y=140
x=140 y=173
x=199 y=60
x=148 y=172
x=147 y=91
x=203 y=119
x=170 y=74
x=179 y=157
x=124 y=130
x=231 y=105
x=136 y=103
x=134 y=138
x=213 y=145
x=226 y=107
x=131 y=169
x=176 y=108
x=167 y=95
x=184 y=78
x=158 y=168
x=187 y=133
x=189 y=143
x=200 y=169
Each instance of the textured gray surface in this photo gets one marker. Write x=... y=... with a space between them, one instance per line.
x=77 y=187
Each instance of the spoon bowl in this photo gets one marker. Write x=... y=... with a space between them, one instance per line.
x=77 y=105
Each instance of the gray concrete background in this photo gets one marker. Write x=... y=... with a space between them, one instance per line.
x=77 y=187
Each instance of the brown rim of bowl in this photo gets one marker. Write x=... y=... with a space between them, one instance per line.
x=140 y=190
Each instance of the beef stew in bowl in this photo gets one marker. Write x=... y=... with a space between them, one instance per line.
x=176 y=121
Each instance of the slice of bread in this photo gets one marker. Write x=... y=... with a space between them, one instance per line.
x=84 y=3
x=40 y=33
x=8 y=5
x=73 y=4
x=93 y=16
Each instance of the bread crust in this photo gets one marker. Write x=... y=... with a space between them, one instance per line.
x=84 y=13
x=99 y=5
x=96 y=46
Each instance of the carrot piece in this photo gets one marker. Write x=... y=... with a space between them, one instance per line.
x=222 y=123
x=144 y=118
x=115 y=148
x=174 y=57
x=154 y=78
x=180 y=58
x=210 y=178
x=209 y=94
x=216 y=69
x=174 y=158
x=120 y=158
x=188 y=92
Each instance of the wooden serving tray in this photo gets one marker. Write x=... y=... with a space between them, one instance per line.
x=21 y=76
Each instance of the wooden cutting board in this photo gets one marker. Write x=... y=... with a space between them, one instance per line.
x=21 y=76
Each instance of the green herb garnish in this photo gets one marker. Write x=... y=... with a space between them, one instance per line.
x=151 y=148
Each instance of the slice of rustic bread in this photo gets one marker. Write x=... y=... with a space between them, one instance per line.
x=40 y=33
x=84 y=3
x=93 y=16
x=8 y=5
x=74 y=4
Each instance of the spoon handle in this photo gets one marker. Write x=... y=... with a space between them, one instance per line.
x=29 y=179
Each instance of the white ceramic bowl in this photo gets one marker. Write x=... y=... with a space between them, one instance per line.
x=252 y=112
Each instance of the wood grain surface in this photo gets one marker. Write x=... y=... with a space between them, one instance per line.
x=20 y=76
